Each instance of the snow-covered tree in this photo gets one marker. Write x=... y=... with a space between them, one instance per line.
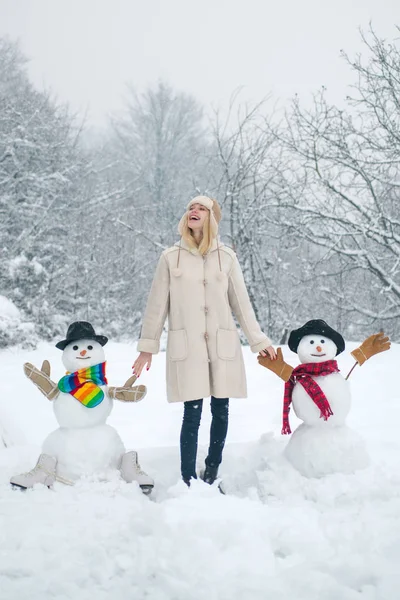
x=38 y=165
x=343 y=189
x=250 y=186
x=148 y=167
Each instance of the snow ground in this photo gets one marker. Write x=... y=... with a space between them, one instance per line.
x=274 y=535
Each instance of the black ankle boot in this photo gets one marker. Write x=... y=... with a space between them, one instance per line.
x=210 y=474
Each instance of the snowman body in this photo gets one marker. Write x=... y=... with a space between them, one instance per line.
x=337 y=392
x=83 y=444
x=70 y=413
x=84 y=451
x=320 y=447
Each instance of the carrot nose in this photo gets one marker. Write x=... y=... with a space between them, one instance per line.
x=318 y=349
x=82 y=352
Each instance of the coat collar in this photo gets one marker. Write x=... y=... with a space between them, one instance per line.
x=185 y=246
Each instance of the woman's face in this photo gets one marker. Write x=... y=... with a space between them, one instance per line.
x=197 y=217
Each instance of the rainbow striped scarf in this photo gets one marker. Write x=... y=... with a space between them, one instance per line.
x=84 y=384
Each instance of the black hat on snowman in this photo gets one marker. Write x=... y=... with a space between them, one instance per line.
x=315 y=327
x=81 y=330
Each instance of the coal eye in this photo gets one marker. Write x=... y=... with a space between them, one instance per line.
x=90 y=347
x=75 y=347
x=322 y=341
x=311 y=341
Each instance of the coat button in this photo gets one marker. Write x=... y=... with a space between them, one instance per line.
x=204 y=281
x=206 y=336
x=206 y=309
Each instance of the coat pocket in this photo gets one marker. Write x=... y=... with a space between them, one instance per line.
x=227 y=343
x=177 y=344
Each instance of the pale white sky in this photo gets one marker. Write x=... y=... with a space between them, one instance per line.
x=85 y=50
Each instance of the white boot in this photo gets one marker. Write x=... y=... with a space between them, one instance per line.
x=44 y=472
x=131 y=471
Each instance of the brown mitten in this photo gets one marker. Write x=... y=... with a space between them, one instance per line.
x=42 y=379
x=127 y=393
x=374 y=344
x=278 y=366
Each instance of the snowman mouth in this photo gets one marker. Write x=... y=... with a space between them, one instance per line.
x=83 y=357
x=318 y=354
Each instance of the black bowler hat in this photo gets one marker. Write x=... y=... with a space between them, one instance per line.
x=318 y=327
x=81 y=330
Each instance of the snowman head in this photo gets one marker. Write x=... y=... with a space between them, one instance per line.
x=316 y=341
x=316 y=348
x=82 y=347
x=82 y=354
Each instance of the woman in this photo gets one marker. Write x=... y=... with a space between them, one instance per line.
x=198 y=283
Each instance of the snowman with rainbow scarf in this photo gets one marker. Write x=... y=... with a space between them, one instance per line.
x=82 y=401
x=323 y=444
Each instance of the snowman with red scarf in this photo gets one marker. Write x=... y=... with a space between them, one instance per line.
x=84 y=444
x=320 y=396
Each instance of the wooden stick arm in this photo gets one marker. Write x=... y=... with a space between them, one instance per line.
x=351 y=370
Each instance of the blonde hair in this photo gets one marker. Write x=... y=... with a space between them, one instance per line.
x=210 y=227
x=187 y=234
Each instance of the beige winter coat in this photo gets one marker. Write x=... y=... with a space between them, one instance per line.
x=204 y=355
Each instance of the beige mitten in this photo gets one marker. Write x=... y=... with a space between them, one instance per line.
x=42 y=379
x=374 y=344
x=127 y=393
x=278 y=366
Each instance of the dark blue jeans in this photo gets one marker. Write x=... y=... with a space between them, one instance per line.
x=190 y=430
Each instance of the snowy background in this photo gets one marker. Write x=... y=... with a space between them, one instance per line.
x=275 y=534
x=304 y=159
x=114 y=113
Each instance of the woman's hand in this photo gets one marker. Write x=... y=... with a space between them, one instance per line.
x=271 y=352
x=143 y=359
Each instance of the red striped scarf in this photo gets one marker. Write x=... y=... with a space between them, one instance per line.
x=303 y=375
